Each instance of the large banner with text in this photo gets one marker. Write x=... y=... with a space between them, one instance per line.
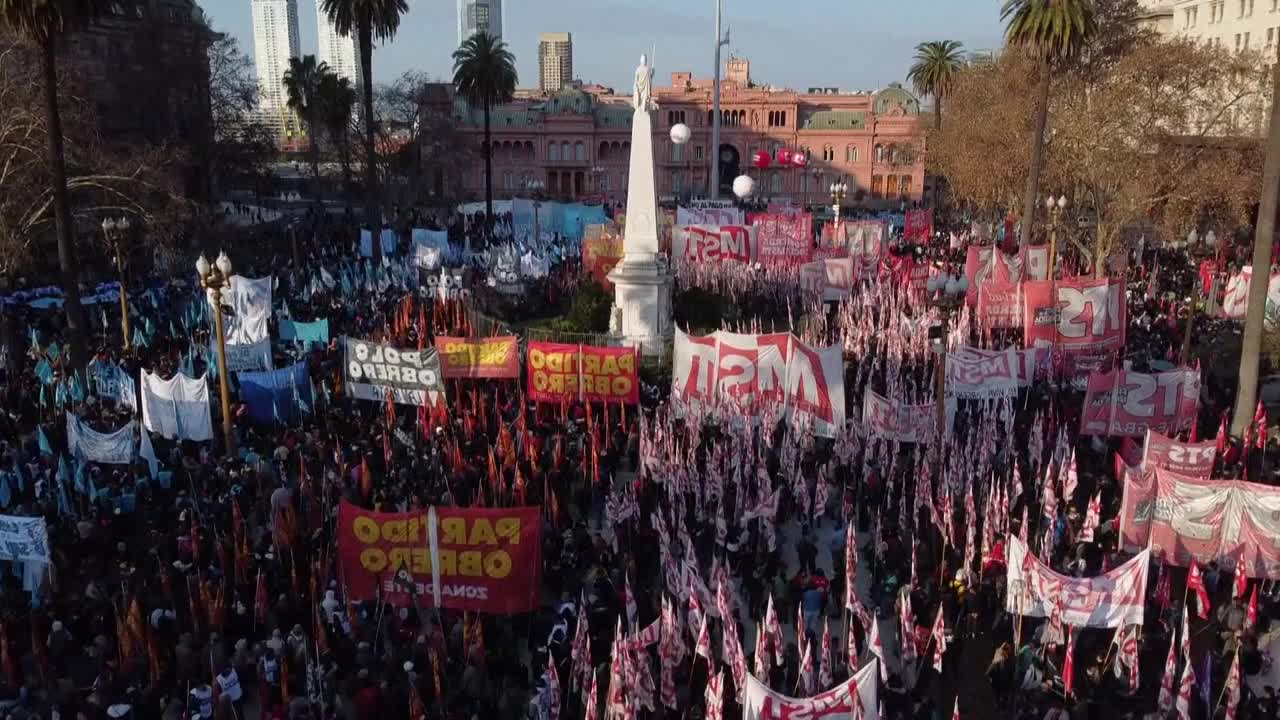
x=714 y=244
x=1131 y=403
x=1193 y=459
x=1115 y=598
x=480 y=559
x=601 y=251
x=373 y=371
x=783 y=239
x=761 y=376
x=560 y=372
x=479 y=357
x=1183 y=518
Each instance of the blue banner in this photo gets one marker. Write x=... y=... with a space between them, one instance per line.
x=316 y=331
x=277 y=396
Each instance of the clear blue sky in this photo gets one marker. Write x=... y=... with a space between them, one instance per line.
x=851 y=44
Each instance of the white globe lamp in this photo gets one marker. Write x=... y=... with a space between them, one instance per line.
x=743 y=186
x=680 y=133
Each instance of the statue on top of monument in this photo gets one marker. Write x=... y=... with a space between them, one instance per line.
x=642 y=93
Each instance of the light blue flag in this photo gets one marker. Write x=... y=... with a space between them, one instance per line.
x=4 y=490
x=93 y=491
x=45 y=449
x=139 y=339
x=44 y=371
x=79 y=478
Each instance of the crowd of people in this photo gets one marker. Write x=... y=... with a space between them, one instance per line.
x=205 y=585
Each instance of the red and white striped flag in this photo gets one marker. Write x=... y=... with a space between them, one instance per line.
x=592 y=713
x=1233 y=687
x=1092 y=516
x=806 y=671
x=939 y=635
x=1126 y=640
x=955 y=713
x=1241 y=584
x=905 y=625
x=850 y=567
x=632 y=612
x=553 y=689
x=824 y=658
x=703 y=646
x=802 y=637
x=714 y=696
x=1070 y=480
x=877 y=649
x=1187 y=684
x=1165 y=702
x=851 y=645
x=1195 y=583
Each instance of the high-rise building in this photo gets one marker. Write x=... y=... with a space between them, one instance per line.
x=555 y=61
x=337 y=51
x=275 y=40
x=479 y=16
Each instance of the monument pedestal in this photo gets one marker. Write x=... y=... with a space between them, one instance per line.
x=642 y=280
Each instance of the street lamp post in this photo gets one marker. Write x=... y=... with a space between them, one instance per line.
x=117 y=233
x=535 y=186
x=946 y=293
x=214 y=279
x=1056 y=208
x=839 y=190
x=680 y=134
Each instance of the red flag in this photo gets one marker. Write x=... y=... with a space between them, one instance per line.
x=1233 y=687
x=1241 y=584
x=1222 y=435
x=939 y=635
x=1069 y=664
x=260 y=599
x=955 y=713
x=1195 y=429
x=1251 y=612
x=1195 y=583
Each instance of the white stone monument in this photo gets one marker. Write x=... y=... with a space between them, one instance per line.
x=642 y=280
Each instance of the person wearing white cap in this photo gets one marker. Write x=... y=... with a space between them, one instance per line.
x=119 y=711
x=200 y=702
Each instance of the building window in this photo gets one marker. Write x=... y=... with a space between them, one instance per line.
x=1246 y=41
x=566 y=152
x=877 y=187
x=879 y=153
x=580 y=152
x=891 y=186
x=697 y=152
x=1237 y=41
x=1242 y=4
x=1250 y=13
x=677 y=153
x=553 y=152
x=828 y=153
x=904 y=187
x=851 y=154
x=775 y=182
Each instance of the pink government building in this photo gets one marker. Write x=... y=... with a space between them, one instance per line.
x=577 y=142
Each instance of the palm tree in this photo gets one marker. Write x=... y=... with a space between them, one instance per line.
x=45 y=23
x=302 y=83
x=484 y=72
x=1053 y=31
x=366 y=20
x=934 y=70
x=337 y=98
x=1247 y=392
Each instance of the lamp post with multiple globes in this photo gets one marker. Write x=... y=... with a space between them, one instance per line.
x=535 y=188
x=1055 y=207
x=946 y=293
x=117 y=234
x=215 y=278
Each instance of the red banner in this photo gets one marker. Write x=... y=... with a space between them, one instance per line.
x=487 y=559
x=1074 y=314
x=1131 y=403
x=1000 y=304
x=783 y=239
x=1192 y=459
x=601 y=250
x=488 y=357
x=1181 y=518
x=582 y=372
x=986 y=264
x=918 y=226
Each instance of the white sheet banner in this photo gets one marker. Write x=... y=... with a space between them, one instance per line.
x=1109 y=600
x=177 y=407
x=1235 y=299
x=245 y=326
x=708 y=216
x=761 y=703
x=110 y=448
x=24 y=539
x=429 y=247
x=974 y=374
x=761 y=375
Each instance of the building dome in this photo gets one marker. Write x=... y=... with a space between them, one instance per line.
x=896 y=100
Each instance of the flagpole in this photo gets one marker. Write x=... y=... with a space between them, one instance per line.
x=1225 y=685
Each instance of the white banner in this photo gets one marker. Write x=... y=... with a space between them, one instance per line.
x=177 y=407
x=894 y=421
x=761 y=703
x=761 y=375
x=110 y=381
x=833 y=276
x=1110 y=600
x=245 y=326
x=708 y=216
x=429 y=247
x=113 y=449
x=23 y=539
x=696 y=244
x=974 y=374
x=1235 y=299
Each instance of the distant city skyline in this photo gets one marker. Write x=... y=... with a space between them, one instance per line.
x=810 y=43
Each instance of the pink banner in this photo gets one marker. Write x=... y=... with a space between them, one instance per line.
x=1113 y=599
x=987 y=264
x=1191 y=459
x=891 y=420
x=1181 y=518
x=1000 y=304
x=1131 y=403
x=783 y=239
x=1074 y=314
x=974 y=374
